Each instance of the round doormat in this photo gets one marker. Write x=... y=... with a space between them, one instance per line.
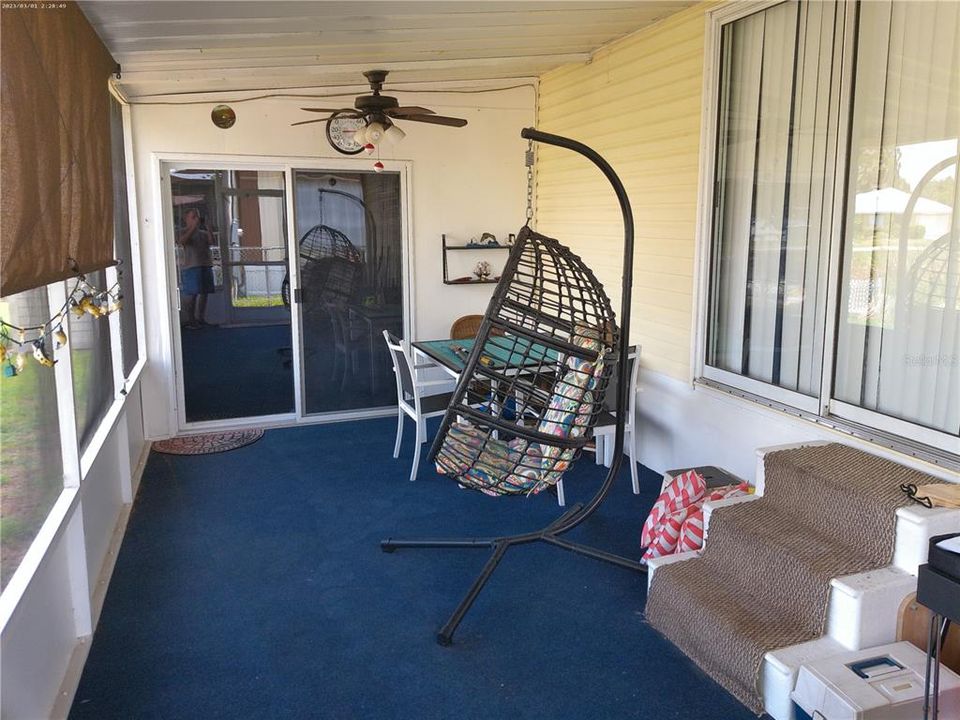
x=208 y=443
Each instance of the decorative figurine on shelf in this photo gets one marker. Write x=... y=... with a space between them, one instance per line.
x=482 y=270
x=485 y=240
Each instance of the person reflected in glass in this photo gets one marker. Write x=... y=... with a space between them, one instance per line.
x=196 y=272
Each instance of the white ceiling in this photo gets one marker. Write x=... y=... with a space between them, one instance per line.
x=204 y=45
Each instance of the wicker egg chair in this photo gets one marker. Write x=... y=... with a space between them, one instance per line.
x=551 y=318
x=554 y=322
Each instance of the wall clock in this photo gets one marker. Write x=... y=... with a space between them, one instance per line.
x=340 y=129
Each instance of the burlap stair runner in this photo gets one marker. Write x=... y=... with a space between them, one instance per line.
x=763 y=580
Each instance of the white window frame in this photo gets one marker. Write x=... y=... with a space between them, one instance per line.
x=63 y=515
x=121 y=383
x=903 y=435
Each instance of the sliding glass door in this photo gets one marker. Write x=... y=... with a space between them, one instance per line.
x=278 y=318
x=350 y=258
x=230 y=242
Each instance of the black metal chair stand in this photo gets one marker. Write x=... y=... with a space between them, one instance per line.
x=553 y=533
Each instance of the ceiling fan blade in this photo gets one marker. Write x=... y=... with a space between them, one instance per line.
x=437 y=120
x=405 y=111
x=324 y=110
x=307 y=122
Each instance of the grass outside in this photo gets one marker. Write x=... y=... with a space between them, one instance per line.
x=31 y=469
x=258 y=301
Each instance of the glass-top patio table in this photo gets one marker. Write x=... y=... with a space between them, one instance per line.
x=501 y=351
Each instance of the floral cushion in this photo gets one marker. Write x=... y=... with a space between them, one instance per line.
x=497 y=467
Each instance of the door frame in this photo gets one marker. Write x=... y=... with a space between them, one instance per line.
x=286 y=165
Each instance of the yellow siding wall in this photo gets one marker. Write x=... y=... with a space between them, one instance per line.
x=638 y=104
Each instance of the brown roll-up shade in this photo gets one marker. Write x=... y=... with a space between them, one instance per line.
x=56 y=197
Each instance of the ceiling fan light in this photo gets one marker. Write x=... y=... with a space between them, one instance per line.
x=360 y=135
x=374 y=133
x=394 y=134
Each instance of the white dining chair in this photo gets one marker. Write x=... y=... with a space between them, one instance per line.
x=410 y=401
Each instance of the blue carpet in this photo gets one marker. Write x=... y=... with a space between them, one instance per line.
x=233 y=372
x=250 y=584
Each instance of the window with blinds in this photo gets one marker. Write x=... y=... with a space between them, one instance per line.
x=834 y=252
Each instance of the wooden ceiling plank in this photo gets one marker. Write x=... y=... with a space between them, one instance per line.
x=228 y=29
x=454 y=48
x=308 y=43
x=294 y=84
x=615 y=20
x=367 y=60
x=136 y=11
x=319 y=71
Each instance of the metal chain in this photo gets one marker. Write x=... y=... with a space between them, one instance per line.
x=529 y=162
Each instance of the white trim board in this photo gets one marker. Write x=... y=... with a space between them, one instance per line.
x=78 y=659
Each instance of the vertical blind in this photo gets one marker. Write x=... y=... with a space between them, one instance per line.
x=898 y=342
x=776 y=151
x=783 y=72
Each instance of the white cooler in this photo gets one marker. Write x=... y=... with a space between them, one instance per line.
x=880 y=683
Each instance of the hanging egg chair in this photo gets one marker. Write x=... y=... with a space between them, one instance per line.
x=552 y=321
x=546 y=350
x=330 y=266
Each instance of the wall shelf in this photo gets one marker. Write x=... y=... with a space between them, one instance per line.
x=472 y=280
x=491 y=281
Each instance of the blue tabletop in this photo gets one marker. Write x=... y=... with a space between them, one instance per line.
x=503 y=351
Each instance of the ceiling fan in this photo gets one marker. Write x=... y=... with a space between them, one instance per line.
x=370 y=120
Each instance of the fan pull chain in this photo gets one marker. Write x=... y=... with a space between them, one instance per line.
x=528 y=159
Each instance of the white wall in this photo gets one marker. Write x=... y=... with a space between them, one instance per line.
x=680 y=425
x=463 y=182
x=46 y=637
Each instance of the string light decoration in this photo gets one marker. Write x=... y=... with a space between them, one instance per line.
x=41 y=341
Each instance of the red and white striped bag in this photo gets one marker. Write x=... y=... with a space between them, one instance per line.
x=691 y=532
x=728 y=491
x=668 y=535
x=684 y=490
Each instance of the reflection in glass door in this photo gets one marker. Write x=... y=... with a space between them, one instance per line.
x=349 y=233
x=230 y=239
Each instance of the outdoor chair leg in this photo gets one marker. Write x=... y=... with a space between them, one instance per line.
x=634 y=475
x=416 y=452
x=396 y=447
x=561 y=499
x=598 y=449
